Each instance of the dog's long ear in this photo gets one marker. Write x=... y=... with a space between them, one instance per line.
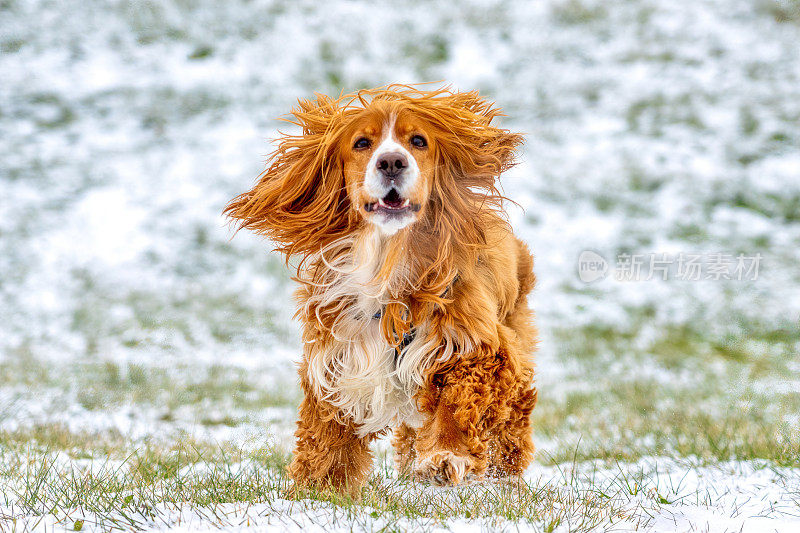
x=472 y=149
x=300 y=201
x=471 y=153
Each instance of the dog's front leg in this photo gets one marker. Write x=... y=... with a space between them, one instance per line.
x=466 y=399
x=328 y=454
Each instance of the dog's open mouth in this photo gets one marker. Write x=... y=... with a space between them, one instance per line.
x=392 y=204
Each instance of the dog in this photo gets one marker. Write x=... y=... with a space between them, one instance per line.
x=412 y=287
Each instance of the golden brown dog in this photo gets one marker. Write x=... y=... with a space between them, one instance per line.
x=412 y=286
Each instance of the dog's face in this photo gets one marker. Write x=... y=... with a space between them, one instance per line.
x=388 y=159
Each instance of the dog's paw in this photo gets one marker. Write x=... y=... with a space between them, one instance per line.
x=443 y=468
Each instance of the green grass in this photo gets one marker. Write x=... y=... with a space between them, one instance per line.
x=195 y=314
x=785 y=11
x=676 y=392
x=102 y=385
x=681 y=394
x=683 y=397
x=135 y=487
x=624 y=396
x=575 y=12
x=126 y=489
x=629 y=421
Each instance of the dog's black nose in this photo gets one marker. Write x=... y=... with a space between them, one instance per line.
x=391 y=164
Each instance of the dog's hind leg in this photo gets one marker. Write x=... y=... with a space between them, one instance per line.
x=511 y=448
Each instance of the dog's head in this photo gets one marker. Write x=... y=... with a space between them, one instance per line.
x=389 y=159
x=382 y=159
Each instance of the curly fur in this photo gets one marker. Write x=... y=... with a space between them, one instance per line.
x=459 y=391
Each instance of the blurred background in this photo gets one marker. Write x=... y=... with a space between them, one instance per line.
x=128 y=312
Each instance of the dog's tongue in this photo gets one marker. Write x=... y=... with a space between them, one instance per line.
x=393 y=199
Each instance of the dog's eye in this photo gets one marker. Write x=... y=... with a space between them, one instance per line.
x=418 y=141
x=361 y=143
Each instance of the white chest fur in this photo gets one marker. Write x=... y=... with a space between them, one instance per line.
x=354 y=368
x=367 y=380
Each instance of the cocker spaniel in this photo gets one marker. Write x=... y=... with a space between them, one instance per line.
x=412 y=287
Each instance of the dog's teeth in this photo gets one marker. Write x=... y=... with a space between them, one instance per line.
x=405 y=204
x=381 y=202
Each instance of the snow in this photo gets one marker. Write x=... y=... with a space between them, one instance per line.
x=733 y=496
x=651 y=127
x=122 y=147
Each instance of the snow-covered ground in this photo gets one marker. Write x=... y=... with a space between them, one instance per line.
x=730 y=496
x=652 y=128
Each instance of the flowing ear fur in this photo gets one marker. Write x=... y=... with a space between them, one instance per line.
x=471 y=152
x=300 y=201
x=465 y=201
